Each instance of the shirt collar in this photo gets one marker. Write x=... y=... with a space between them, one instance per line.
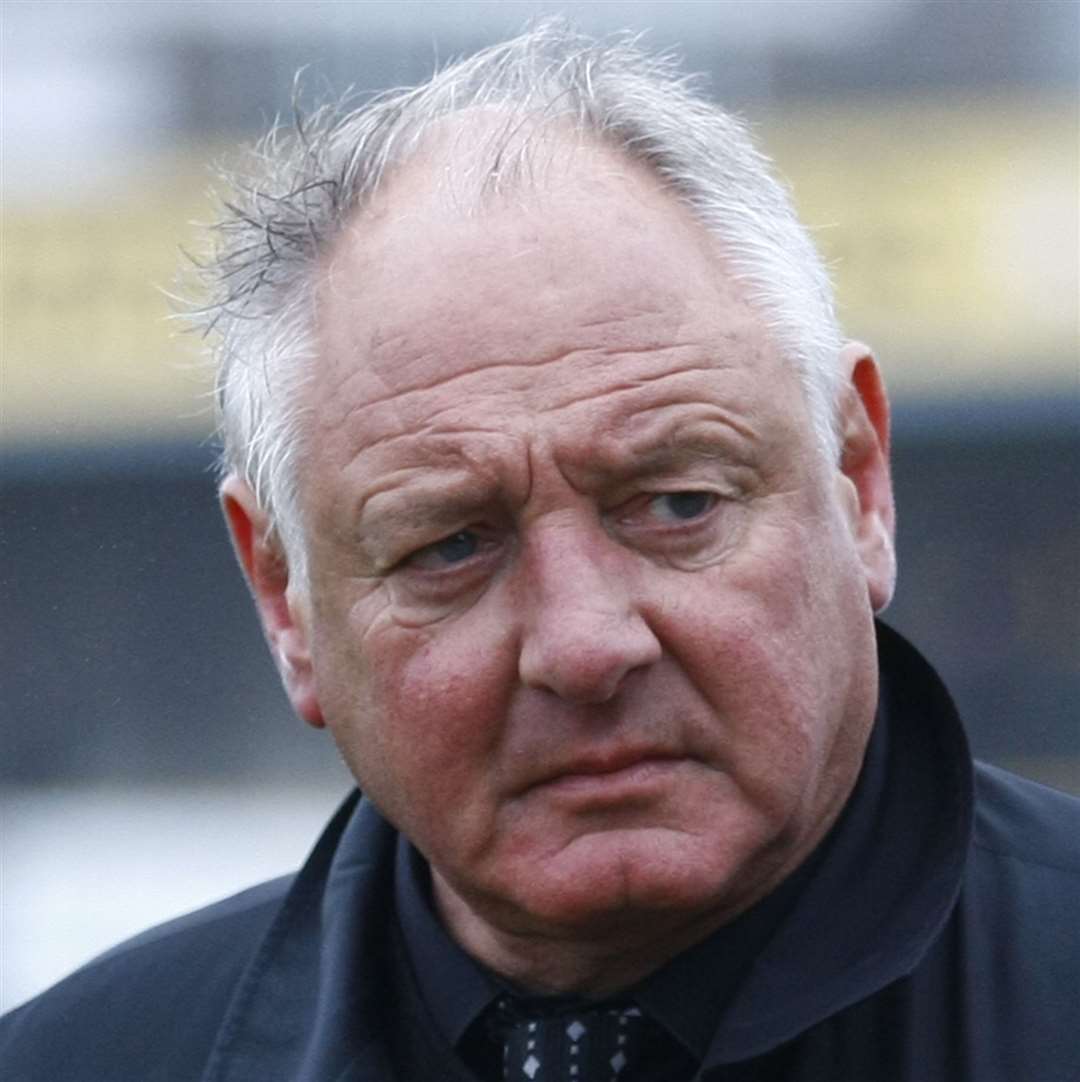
x=455 y=988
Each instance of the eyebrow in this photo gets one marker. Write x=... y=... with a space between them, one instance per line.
x=671 y=445
x=434 y=498
x=438 y=501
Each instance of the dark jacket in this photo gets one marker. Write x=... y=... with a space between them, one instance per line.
x=963 y=964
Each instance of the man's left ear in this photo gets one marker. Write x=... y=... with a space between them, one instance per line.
x=864 y=461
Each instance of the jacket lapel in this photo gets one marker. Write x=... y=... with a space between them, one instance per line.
x=308 y=1004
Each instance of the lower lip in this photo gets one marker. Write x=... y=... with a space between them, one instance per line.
x=636 y=779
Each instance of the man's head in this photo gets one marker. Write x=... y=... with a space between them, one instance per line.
x=305 y=186
x=588 y=579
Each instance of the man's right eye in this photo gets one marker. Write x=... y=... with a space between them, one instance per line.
x=454 y=549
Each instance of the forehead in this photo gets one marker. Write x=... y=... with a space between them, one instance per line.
x=438 y=316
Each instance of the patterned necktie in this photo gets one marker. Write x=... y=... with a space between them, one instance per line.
x=567 y=1043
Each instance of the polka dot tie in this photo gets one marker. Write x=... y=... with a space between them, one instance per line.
x=569 y=1045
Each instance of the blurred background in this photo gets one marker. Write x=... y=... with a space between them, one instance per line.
x=149 y=761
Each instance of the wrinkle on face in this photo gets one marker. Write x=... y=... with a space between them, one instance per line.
x=528 y=377
x=420 y=426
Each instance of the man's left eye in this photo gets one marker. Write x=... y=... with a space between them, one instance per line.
x=682 y=506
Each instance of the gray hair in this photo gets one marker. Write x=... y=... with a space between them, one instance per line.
x=307 y=183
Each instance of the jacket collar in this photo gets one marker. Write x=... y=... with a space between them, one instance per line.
x=309 y=1004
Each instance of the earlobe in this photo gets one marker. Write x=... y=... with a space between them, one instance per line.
x=864 y=418
x=281 y=611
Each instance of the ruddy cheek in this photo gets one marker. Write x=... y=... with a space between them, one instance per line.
x=448 y=677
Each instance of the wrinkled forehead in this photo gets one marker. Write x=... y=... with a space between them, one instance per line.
x=443 y=296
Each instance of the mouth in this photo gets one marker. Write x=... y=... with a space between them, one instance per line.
x=613 y=778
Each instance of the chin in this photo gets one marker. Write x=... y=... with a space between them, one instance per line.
x=625 y=876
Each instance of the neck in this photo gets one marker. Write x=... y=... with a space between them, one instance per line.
x=603 y=959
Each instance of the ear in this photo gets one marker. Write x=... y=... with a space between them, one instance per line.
x=281 y=607
x=864 y=461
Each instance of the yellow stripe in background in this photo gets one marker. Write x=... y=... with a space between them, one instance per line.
x=951 y=227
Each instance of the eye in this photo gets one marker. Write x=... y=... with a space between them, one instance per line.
x=454 y=549
x=682 y=506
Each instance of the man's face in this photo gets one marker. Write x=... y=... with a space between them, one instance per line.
x=585 y=608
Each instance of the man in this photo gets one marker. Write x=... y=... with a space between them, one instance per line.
x=567 y=511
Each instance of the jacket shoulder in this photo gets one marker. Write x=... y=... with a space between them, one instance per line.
x=1023 y=821
x=1018 y=915
x=149 y=1008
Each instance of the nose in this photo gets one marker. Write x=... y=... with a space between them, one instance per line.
x=582 y=630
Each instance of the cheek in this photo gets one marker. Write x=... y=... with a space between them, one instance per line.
x=765 y=729
x=769 y=653
x=423 y=728
x=451 y=684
